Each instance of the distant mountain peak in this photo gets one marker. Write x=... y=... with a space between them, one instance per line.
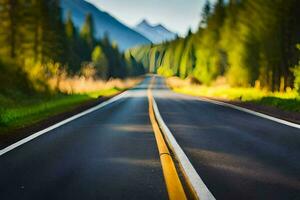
x=144 y=22
x=156 y=33
x=104 y=23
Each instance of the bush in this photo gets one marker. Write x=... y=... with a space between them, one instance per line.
x=13 y=79
x=297 y=78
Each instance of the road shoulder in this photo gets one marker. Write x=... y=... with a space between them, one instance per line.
x=289 y=116
x=10 y=137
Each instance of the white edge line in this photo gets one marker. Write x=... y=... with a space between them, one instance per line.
x=281 y=121
x=196 y=182
x=37 y=134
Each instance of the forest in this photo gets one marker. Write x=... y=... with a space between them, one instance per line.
x=37 y=44
x=247 y=42
x=49 y=66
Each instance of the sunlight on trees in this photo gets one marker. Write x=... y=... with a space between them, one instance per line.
x=87 y=30
x=246 y=41
x=296 y=71
x=35 y=40
x=100 y=62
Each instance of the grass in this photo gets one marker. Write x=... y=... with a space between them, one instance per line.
x=17 y=112
x=27 y=98
x=289 y=101
x=283 y=104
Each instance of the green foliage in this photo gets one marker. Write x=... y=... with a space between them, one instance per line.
x=32 y=112
x=297 y=78
x=100 y=62
x=23 y=111
x=87 y=30
x=205 y=13
x=34 y=36
x=289 y=101
x=31 y=30
x=13 y=80
x=296 y=71
x=37 y=47
x=245 y=41
x=70 y=28
x=134 y=67
x=284 y=104
x=167 y=72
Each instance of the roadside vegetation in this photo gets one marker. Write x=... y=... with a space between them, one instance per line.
x=49 y=66
x=246 y=50
x=23 y=109
x=288 y=100
x=248 y=42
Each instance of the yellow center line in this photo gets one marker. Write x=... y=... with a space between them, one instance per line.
x=174 y=187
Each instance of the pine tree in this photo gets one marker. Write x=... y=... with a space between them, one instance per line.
x=244 y=40
x=87 y=30
x=205 y=14
x=69 y=26
x=8 y=27
x=100 y=62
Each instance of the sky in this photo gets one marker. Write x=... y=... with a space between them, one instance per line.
x=176 y=15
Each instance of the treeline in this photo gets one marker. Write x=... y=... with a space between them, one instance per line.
x=34 y=36
x=250 y=42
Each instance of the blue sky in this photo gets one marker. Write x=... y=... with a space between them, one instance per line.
x=176 y=15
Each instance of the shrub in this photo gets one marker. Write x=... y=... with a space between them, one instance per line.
x=296 y=71
x=297 y=78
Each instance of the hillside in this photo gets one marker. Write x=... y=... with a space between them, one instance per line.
x=104 y=23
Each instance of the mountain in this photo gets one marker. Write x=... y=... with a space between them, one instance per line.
x=157 y=33
x=104 y=23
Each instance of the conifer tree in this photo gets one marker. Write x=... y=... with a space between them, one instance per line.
x=87 y=30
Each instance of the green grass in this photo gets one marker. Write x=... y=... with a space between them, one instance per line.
x=283 y=104
x=289 y=101
x=20 y=111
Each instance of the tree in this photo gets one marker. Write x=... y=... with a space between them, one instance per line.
x=87 y=30
x=100 y=62
x=205 y=14
x=34 y=37
x=190 y=33
x=69 y=26
x=235 y=40
x=8 y=27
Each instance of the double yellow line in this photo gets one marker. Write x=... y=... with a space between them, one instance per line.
x=173 y=183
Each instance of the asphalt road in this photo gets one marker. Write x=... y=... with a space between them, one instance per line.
x=237 y=155
x=108 y=154
x=112 y=154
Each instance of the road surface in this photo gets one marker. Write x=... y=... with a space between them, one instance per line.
x=112 y=154
x=108 y=154
x=237 y=155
